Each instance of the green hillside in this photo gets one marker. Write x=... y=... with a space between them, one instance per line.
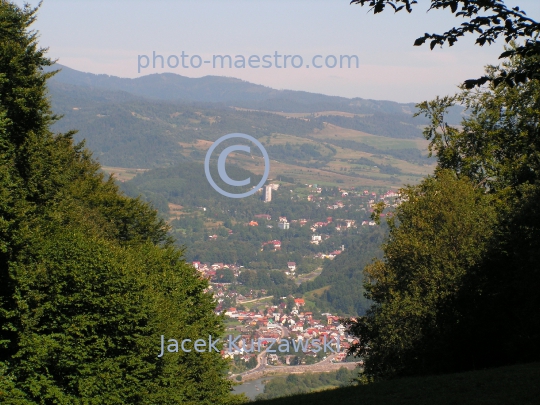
x=377 y=144
x=344 y=276
x=514 y=385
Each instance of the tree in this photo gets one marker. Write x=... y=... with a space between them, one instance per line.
x=436 y=235
x=488 y=20
x=457 y=289
x=498 y=147
x=89 y=279
x=290 y=303
x=292 y=379
x=224 y=276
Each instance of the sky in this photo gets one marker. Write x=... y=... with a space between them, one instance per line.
x=113 y=36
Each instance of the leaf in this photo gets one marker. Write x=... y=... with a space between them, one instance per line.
x=506 y=54
x=420 y=41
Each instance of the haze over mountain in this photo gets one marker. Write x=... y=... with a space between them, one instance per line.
x=219 y=89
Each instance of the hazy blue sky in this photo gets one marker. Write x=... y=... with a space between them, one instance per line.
x=107 y=37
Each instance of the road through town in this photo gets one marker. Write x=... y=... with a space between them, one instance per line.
x=262 y=369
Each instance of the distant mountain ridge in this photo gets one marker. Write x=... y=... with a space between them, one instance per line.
x=136 y=123
x=236 y=92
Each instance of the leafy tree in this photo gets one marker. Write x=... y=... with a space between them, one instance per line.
x=488 y=20
x=292 y=379
x=444 y=226
x=462 y=256
x=498 y=148
x=224 y=276
x=498 y=145
x=290 y=303
x=89 y=278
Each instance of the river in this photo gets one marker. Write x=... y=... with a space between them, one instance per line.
x=252 y=388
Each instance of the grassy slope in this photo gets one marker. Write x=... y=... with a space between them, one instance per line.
x=331 y=174
x=501 y=386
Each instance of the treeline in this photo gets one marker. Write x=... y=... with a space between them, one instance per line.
x=186 y=184
x=262 y=278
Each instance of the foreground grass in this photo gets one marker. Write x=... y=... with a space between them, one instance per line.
x=501 y=386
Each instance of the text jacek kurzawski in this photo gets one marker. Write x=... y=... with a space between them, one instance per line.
x=240 y=345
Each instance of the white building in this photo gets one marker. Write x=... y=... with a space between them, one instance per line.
x=267 y=193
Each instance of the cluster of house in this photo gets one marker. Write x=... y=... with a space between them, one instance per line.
x=335 y=206
x=221 y=292
x=214 y=237
x=271 y=323
x=340 y=224
x=391 y=197
x=209 y=270
x=283 y=223
x=354 y=193
x=274 y=244
x=370 y=223
x=330 y=255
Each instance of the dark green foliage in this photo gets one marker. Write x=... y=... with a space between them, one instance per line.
x=186 y=184
x=363 y=161
x=443 y=231
x=389 y=169
x=92 y=314
x=462 y=256
x=263 y=279
x=89 y=278
x=224 y=276
x=344 y=276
